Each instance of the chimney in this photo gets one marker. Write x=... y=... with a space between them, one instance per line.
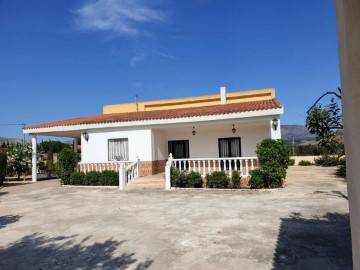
x=223 y=95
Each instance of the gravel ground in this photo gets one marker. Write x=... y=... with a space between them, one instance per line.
x=304 y=226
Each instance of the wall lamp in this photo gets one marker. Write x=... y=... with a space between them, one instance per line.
x=275 y=123
x=233 y=129
x=85 y=136
x=193 y=131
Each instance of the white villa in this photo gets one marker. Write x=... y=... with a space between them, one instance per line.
x=203 y=133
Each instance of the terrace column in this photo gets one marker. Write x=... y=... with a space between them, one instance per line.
x=348 y=24
x=34 y=158
x=275 y=130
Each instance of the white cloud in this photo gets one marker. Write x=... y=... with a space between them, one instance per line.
x=119 y=16
x=141 y=56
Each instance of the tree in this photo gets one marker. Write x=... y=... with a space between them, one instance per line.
x=19 y=158
x=50 y=166
x=326 y=123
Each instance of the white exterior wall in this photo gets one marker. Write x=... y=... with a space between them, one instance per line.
x=205 y=143
x=159 y=145
x=96 y=149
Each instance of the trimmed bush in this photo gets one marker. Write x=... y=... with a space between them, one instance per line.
x=291 y=162
x=257 y=179
x=327 y=161
x=274 y=158
x=92 y=179
x=235 y=179
x=305 y=163
x=194 y=180
x=341 y=170
x=178 y=178
x=66 y=165
x=109 y=178
x=3 y=165
x=77 y=178
x=217 y=180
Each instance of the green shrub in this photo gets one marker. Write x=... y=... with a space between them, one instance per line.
x=341 y=170
x=92 y=179
x=109 y=178
x=291 y=162
x=194 y=180
x=66 y=164
x=217 y=180
x=235 y=179
x=274 y=159
x=257 y=179
x=50 y=166
x=77 y=178
x=3 y=165
x=327 y=161
x=178 y=178
x=305 y=163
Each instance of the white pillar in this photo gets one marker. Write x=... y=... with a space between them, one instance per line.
x=275 y=133
x=122 y=176
x=75 y=145
x=348 y=23
x=34 y=159
x=168 y=172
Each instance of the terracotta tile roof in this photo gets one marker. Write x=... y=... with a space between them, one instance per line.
x=165 y=114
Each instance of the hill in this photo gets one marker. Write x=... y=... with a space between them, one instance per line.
x=300 y=134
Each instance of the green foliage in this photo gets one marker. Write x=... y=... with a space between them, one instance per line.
x=217 y=180
x=184 y=179
x=178 y=178
x=257 y=179
x=327 y=161
x=324 y=123
x=77 y=178
x=305 y=163
x=194 y=180
x=291 y=162
x=341 y=170
x=3 y=166
x=54 y=146
x=274 y=159
x=92 y=179
x=109 y=178
x=235 y=179
x=50 y=166
x=66 y=165
x=18 y=158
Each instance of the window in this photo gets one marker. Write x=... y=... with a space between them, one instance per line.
x=118 y=149
x=229 y=147
x=179 y=149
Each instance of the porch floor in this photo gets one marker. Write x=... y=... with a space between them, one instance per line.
x=156 y=181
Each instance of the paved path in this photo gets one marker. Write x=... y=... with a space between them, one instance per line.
x=27 y=186
x=304 y=226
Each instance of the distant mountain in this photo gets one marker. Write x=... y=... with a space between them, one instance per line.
x=299 y=133
x=11 y=140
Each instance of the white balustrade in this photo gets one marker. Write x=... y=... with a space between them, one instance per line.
x=208 y=165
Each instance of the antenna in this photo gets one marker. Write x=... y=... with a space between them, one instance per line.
x=136 y=101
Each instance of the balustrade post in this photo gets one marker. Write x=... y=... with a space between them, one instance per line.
x=246 y=167
x=122 y=177
x=138 y=167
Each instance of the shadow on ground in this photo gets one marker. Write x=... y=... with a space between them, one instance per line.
x=37 y=251
x=333 y=193
x=320 y=242
x=5 y=220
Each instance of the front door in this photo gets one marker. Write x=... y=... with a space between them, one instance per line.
x=229 y=147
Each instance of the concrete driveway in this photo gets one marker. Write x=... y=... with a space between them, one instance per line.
x=305 y=226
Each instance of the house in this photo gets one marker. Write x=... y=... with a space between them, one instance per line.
x=202 y=133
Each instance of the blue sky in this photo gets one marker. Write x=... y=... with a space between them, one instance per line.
x=67 y=58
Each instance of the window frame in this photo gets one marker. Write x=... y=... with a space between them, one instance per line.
x=118 y=139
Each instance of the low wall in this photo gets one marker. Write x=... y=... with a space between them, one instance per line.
x=308 y=158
